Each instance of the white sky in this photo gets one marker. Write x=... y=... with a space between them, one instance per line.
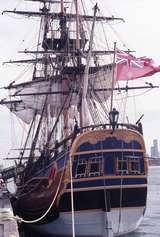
x=140 y=32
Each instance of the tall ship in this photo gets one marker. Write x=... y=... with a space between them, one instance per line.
x=82 y=170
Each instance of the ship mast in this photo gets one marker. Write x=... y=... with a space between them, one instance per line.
x=77 y=25
x=57 y=65
x=86 y=72
x=62 y=6
x=113 y=76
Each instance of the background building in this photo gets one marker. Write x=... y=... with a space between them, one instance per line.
x=155 y=150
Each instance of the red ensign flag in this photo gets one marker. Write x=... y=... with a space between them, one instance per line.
x=129 y=67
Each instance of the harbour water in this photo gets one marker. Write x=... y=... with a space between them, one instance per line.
x=150 y=226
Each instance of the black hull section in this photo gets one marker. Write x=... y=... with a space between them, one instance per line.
x=89 y=200
x=29 y=215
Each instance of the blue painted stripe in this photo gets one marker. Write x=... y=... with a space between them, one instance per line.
x=110 y=143
x=107 y=182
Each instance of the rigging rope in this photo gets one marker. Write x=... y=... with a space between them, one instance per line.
x=93 y=111
x=36 y=174
x=72 y=199
x=121 y=191
x=108 y=222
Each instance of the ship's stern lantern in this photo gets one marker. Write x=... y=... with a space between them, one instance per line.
x=113 y=118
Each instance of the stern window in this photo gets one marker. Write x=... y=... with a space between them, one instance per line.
x=135 y=166
x=128 y=165
x=81 y=169
x=95 y=167
x=89 y=167
x=122 y=166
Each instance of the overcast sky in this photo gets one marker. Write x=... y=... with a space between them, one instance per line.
x=140 y=32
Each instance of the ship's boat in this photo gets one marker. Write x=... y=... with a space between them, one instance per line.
x=82 y=169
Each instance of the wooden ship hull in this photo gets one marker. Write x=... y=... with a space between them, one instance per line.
x=109 y=185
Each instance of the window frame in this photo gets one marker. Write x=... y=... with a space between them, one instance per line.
x=129 y=161
x=81 y=162
x=97 y=160
x=121 y=171
x=137 y=161
x=89 y=162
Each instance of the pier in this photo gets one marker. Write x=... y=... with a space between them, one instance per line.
x=8 y=224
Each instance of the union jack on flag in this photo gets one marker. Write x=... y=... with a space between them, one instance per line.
x=129 y=67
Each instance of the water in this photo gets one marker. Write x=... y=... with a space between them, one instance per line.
x=150 y=226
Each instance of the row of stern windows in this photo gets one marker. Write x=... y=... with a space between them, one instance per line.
x=95 y=167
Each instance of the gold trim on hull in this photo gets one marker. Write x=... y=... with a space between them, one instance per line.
x=106 y=150
x=110 y=177
x=107 y=187
x=100 y=135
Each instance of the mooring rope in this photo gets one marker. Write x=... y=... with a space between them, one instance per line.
x=72 y=198
x=6 y=214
